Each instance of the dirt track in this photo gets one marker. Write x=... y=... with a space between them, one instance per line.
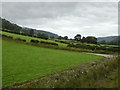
x=105 y=55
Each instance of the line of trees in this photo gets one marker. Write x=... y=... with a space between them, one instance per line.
x=79 y=38
x=65 y=37
x=116 y=42
x=88 y=39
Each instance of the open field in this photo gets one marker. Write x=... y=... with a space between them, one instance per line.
x=21 y=62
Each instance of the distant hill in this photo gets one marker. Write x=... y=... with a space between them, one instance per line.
x=108 y=39
x=16 y=28
x=46 y=32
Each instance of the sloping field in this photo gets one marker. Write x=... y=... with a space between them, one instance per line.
x=27 y=38
x=21 y=62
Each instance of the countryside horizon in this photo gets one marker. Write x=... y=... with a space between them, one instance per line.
x=97 y=19
x=59 y=45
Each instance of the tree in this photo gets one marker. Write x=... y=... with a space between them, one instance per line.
x=43 y=36
x=60 y=37
x=10 y=26
x=32 y=32
x=52 y=37
x=91 y=39
x=77 y=37
x=83 y=40
x=103 y=42
x=66 y=37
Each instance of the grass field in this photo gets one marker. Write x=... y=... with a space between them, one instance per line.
x=21 y=62
x=27 y=38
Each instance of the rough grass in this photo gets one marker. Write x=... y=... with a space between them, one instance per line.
x=21 y=62
x=101 y=74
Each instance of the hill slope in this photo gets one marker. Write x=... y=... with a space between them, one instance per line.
x=16 y=28
x=108 y=39
x=46 y=32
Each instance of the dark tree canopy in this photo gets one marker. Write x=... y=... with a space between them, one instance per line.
x=10 y=26
x=77 y=37
x=43 y=36
x=66 y=37
x=83 y=40
x=103 y=42
x=91 y=39
x=31 y=31
x=60 y=37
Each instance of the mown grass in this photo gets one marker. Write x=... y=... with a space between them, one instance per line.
x=21 y=62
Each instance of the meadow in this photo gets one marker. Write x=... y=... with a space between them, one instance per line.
x=21 y=63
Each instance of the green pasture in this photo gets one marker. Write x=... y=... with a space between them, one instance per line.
x=27 y=38
x=21 y=63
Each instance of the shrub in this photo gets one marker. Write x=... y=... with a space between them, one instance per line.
x=10 y=37
x=20 y=39
x=34 y=41
x=4 y=35
x=51 y=43
x=64 y=42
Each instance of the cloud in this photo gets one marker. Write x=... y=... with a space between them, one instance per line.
x=65 y=18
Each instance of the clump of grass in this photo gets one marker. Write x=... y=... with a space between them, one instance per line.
x=85 y=76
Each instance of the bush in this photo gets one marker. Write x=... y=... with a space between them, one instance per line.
x=65 y=42
x=34 y=41
x=4 y=35
x=20 y=39
x=42 y=36
x=51 y=43
x=24 y=34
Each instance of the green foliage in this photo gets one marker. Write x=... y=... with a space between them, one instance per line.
x=42 y=36
x=77 y=37
x=28 y=39
x=103 y=42
x=91 y=39
x=7 y=25
x=32 y=32
x=51 y=43
x=60 y=37
x=66 y=37
x=95 y=47
x=73 y=45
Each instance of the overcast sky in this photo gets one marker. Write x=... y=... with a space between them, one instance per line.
x=65 y=18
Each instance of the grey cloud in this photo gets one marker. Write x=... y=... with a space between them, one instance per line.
x=86 y=18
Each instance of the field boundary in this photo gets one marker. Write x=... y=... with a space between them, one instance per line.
x=59 y=47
